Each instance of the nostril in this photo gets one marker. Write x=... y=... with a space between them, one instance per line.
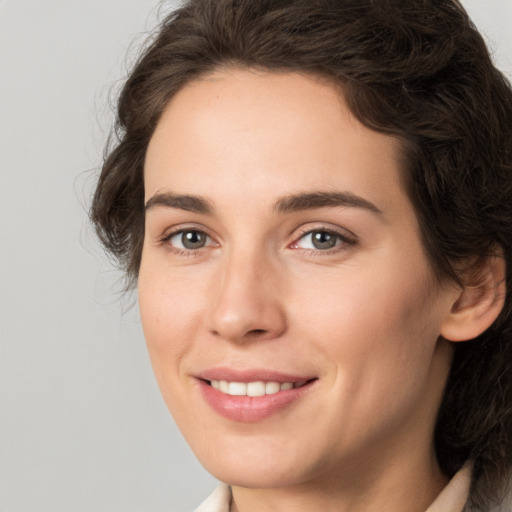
x=256 y=332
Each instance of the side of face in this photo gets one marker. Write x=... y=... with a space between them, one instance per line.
x=279 y=245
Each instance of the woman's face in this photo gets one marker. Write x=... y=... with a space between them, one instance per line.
x=282 y=263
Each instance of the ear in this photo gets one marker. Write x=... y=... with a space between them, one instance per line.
x=479 y=302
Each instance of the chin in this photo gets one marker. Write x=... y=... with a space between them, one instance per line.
x=254 y=476
x=256 y=466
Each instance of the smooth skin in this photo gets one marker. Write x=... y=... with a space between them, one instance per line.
x=236 y=274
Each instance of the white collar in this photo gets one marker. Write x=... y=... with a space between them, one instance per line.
x=454 y=496
x=218 y=501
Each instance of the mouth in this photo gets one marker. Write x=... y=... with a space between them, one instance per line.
x=254 y=389
x=243 y=397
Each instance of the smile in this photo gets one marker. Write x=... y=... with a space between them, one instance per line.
x=257 y=388
x=252 y=396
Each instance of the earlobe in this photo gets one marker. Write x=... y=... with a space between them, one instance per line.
x=478 y=304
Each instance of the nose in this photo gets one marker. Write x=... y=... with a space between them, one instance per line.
x=247 y=302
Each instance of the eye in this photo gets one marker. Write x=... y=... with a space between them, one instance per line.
x=189 y=240
x=321 y=240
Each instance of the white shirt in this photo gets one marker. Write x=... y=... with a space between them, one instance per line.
x=453 y=497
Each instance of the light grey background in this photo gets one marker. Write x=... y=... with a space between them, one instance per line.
x=82 y=426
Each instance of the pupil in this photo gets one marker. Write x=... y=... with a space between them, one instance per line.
x=323 y=240
x=193 y=240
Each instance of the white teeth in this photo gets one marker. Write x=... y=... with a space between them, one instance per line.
x=258 y=388
x=272 y=388
x=237 y=389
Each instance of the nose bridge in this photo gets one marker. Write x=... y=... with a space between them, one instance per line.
x=246 y=303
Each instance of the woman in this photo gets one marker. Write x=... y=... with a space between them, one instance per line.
x=315 y=202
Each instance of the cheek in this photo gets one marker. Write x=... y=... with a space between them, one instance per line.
x=380 y=341
x=376 y=326
x=362 y=304
x=170 y=308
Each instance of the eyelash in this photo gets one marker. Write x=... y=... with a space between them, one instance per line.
x=179 y=251
x=346 y=241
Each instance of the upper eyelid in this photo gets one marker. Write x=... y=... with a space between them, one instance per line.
x=343 y=238
x=171 y=233
x=179 y=228
x=337 y=230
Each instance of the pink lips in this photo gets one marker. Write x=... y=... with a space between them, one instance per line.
x=250 y=408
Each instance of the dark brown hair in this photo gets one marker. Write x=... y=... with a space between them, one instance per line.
x=416 y=69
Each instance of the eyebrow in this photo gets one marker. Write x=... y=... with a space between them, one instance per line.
x=189 y=203
x=313 y=200
x=292 y=203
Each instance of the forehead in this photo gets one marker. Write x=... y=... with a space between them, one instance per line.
x=246 y=127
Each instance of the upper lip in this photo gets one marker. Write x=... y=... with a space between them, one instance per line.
x=250 y=375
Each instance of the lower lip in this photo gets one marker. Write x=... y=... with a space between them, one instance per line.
x=250 y=408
